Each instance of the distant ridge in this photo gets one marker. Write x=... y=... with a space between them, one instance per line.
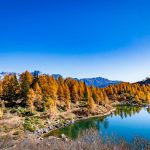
x=99 y=82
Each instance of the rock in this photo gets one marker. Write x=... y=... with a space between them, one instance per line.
x=63 y=136
x=44 y=131
x=50 y=127
x=40 y=138
x=68 y=122
x=57 y=125
x=72 y=121
x=48 y=122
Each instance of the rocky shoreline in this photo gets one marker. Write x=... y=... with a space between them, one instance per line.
x=60 y=124
x=57 y=125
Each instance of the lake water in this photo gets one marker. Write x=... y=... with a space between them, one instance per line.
x=126 y=122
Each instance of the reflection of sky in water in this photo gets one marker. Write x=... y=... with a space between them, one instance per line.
x=136 y=125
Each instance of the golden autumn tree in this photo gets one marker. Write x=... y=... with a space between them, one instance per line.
x=26 y=79
x=91 y=104
x=74 y=94
x=101 y=97
x=95 y=95
x=5 y=87
x=81 y=90
x=14 y=87
x=52 y=83
x=50 y=105
x=43 y=83
x=60 y=95
x=148 y=97
x=60 y=80
x=87 y=93
x=49 y=90
x=30 y=99
x=106 y=99
x=38 y=96
x=11 y=89
x=67 y=96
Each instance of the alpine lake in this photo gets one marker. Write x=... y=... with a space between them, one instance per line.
x=127 y=122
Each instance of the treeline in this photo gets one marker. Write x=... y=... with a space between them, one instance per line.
x=44 y=92
x=40 y=92
x=127 y=91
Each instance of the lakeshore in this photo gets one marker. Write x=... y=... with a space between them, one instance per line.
x=68 y=118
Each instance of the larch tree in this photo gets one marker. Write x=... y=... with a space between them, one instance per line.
x=53 y=86
x=14 y=88
x=11 y=89
x=5 y=87
x=38 y=96
x=60 y=95
x=87 y=93
x=26 y=79
x=67 y=96
x=81 y=90
x=74 y=94
x=31 y=99
x=148 y=97
x=91 y=104
x=50 y=105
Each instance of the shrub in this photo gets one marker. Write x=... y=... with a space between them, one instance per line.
x=22 y=111
x=31 y=123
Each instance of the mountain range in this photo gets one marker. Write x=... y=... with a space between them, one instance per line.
x=99 y=82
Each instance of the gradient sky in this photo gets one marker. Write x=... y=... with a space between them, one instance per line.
x=78 y=38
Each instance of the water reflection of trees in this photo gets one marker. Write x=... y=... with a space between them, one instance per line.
x=126 y=111
x=74 y=130
x=78 y=128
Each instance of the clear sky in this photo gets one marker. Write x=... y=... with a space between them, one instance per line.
x=78 y=38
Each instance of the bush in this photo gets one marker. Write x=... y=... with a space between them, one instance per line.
x=31 y=123
x=22 y=111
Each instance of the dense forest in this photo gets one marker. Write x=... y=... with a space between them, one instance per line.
x=44 y=92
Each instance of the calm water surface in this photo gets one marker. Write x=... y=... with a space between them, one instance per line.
x=127 y=122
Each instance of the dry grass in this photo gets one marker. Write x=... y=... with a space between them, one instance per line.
x=88 y=141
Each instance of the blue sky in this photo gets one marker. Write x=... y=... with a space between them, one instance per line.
x=78 y=38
